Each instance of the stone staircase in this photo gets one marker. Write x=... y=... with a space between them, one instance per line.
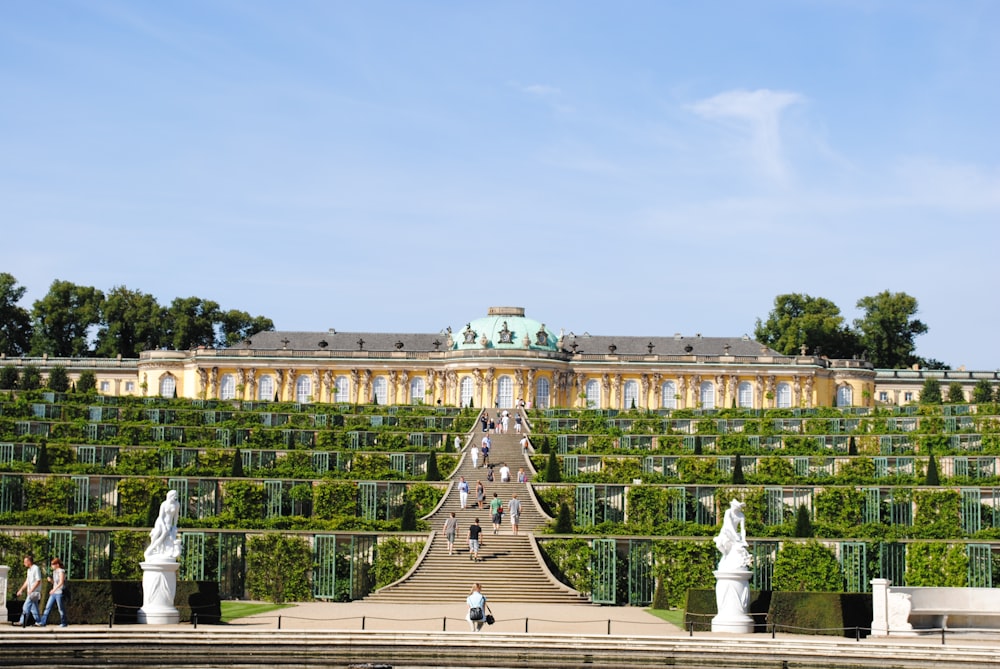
x=510 y=570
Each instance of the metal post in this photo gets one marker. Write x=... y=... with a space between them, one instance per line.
x=773 y=626
x=362 y=622
x=444 y=624
x=111 y=619
x=194 y=620
x=279 y=622
x=609 y=627
x=942 y=636
x=525 y=625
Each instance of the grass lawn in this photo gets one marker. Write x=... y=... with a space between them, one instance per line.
x=675 y=616
x=234 y=610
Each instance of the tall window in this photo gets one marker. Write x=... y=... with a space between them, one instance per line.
x=343 y=386
x=417 y=390
x=265 y=388
x=744 y=395
x=227 y=387
x=706 y=395
x=303 y=389
x=784 y=396
x=380 y=390
x=845 y=396
x=593 y=392
x=168 y=385
x=542 y=393
x=505 y=392
x=630 y=395
x=465 y=391
x=668 y=395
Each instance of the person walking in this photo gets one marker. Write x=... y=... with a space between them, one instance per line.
x=475 y=532
x=32 y=589
x=484 y=420
x=525 y=444
x=514 y=506
x=517 y=424
x=474 y=452
x=476 y=601
x=480 y=494
x=58 y=581
x=504 y=473
x=463 y=492
x=522 y=476
x=450 y=528
x=484 y=450
x=496 y=511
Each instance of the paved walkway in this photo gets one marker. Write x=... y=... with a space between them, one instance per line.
x=510 y=618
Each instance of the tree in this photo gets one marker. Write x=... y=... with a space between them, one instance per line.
x=803 y=523
x=931 y=392
x=738 y=477
x=799 y=320
x=982 y=392
x=888 y=329
x=87 y=383
x=955 y=393
x=58 y=379
x=15 y=321
x=63 y=320
x=42 y=459
x=8 y=377
x=190 y=322
x=932 y=477
x=237 y=471
x=132 y=321
x=552 y=472
x=408 y=518
x=564 y=521
x=31 y=378
x=433 y=473
x=235 y=326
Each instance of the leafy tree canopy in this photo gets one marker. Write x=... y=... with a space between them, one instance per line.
x=132 y=321
x=63 y=319
x=802 y=320
x=888 y=329
x=15 y=321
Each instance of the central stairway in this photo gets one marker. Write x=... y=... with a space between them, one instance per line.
x=510 y=570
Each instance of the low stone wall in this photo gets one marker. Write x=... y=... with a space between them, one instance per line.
x=911 y=611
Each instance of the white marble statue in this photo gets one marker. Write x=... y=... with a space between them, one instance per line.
x=163 y=542
x=159 y=571
x=732 y=539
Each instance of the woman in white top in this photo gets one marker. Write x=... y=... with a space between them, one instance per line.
x=58 y=580
x=475 y=456
x=476 y=600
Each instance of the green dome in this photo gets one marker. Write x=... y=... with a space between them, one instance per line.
x=504 y=328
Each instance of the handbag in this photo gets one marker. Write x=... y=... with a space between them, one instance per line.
x=489 y=616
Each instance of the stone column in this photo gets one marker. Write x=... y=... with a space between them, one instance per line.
x=732 y=596
x=159 y=588
x=880 y=606
x=4 y=572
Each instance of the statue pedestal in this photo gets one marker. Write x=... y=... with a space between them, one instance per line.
x=159 y=587
x=4 y=571
x=732 y=596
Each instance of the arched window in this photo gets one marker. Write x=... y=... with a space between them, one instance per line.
x=303 y=389
x=380 y=390
x=342 y=387
x=505 y=392
x=265 y=388
x=593 y=392
x=845 y=396
x=465 y=391
x=417 y=390
x=630 y=395
x=227 y=387
x=706 y=395
x=168 y=386
x=744 y=395
x=542 y=393
x=668 y=395
x=784 y=396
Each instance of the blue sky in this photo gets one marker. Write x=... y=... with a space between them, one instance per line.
x=619 y=168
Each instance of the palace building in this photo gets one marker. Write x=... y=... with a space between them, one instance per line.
x=503 y=358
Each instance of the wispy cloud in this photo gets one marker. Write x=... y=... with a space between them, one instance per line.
x=760 y=113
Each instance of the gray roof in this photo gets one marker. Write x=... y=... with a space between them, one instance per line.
x=586 y=343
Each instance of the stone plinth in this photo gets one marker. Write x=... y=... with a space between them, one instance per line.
x=4 y=572
x=732 y=597
x=159 y=587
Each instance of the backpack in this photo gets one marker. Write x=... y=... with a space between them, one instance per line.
x=476 y=613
